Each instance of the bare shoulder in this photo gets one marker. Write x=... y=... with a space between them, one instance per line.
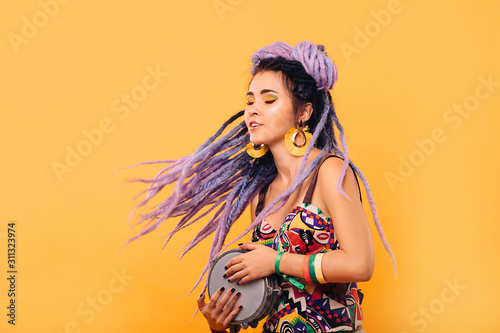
x=328 y=176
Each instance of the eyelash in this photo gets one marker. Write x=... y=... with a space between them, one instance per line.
x=267 y=102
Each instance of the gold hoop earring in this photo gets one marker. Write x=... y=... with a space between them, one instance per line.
x=256 y=151
x=297 y=149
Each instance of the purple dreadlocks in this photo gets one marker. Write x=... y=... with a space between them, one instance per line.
x=222 y=178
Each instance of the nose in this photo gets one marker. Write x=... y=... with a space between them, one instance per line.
x=254 y=109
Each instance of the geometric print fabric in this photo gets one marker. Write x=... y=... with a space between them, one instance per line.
x=329 y=307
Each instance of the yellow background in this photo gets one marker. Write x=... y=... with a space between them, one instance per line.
x=66 y=77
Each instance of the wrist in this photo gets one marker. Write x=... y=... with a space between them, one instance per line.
x=277 y=263
x=215 y=331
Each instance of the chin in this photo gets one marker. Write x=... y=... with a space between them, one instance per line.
x=255 y=140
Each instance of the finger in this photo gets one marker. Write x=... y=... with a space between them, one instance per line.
x=201 y=301
x=215 y=297
x=234 y=261
x=232 y=270
x=227 y=302
x=244 y=279
x=237 y=276
x=231 y=302
x=222 y=302
x=232 y=314
x=248 y=246
x=229 y=308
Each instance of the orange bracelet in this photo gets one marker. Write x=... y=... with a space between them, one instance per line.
x=305 y=269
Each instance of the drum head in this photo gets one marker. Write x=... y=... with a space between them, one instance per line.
x=253 y=294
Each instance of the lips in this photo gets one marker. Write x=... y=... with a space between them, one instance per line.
x=253 y=125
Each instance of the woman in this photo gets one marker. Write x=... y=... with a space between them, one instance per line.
x=303 y=225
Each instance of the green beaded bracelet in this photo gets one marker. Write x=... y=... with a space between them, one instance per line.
x=286 y=277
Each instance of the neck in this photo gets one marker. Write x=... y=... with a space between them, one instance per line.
x=287 y=164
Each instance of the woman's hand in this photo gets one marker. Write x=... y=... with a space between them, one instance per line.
x=257 y=263
x=219 y=314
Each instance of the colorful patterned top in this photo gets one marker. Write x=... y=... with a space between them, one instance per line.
x=329 y=307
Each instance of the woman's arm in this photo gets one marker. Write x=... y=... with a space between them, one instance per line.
x=353 y=261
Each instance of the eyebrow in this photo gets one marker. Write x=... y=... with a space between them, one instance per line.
x=263 y=91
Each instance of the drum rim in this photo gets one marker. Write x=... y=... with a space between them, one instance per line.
x=266 y=301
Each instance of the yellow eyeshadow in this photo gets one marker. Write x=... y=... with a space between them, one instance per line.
x=268 y=98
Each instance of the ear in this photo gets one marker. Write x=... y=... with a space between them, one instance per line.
x=305 y=112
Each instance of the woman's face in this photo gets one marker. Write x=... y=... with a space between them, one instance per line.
x=269 y=113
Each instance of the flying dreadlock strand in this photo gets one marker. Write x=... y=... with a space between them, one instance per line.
x=183 y=224
x=180 y=161
x=366 y=186
x=375 y=217
x=187 y=197
x=216 y=221
x=232 y=178
x=208 y=229
x=220 y=232
x=180 y=171
x=256 y=180
x=175 y=173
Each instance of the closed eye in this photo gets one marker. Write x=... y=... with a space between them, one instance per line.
x=267 y=102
